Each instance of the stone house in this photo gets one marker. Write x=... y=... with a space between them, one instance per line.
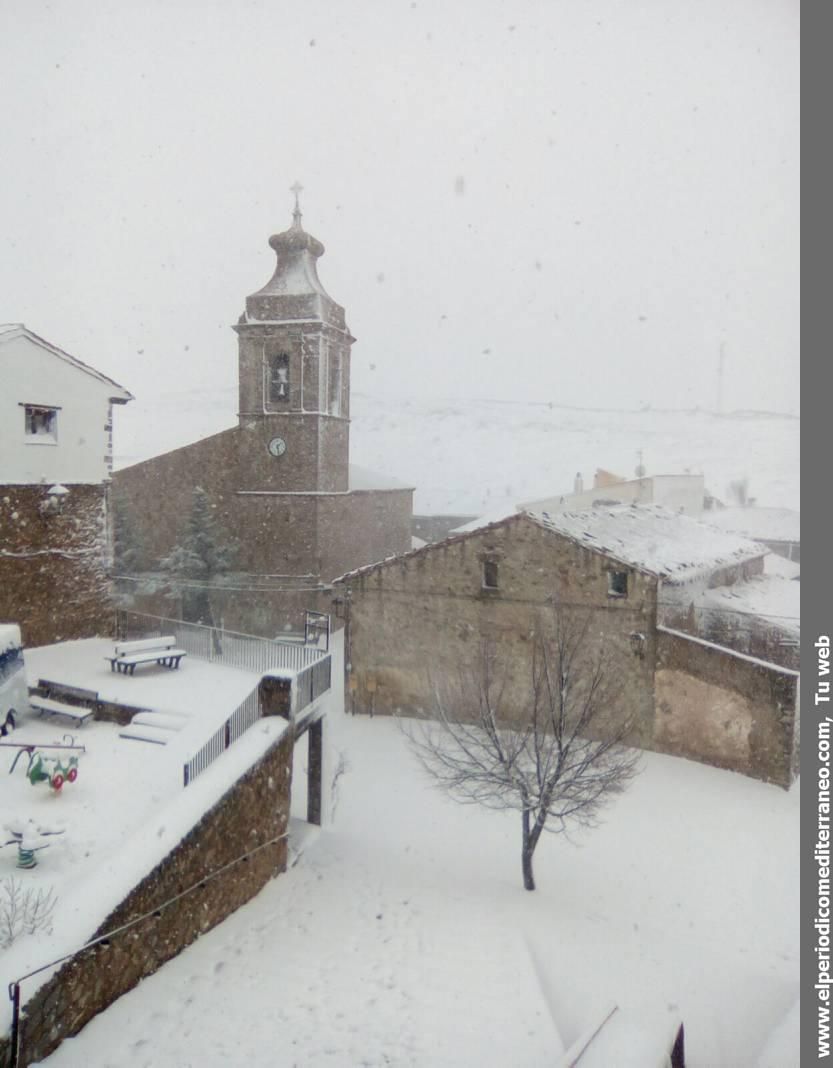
x=280 y=482
x=56 y=425
x=414 y=620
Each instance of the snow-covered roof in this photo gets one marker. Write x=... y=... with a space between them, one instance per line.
x=648 y=537
x=10 y=331
x=362 y=478
x=766 y=524
x=772 y=598
x=653 y=539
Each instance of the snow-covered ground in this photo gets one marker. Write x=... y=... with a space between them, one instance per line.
x=403 y=936
x=476 y=456
x=128 y=808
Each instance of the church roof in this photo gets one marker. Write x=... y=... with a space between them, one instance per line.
x=363 y=478
x=295 y=271
x=294 y=291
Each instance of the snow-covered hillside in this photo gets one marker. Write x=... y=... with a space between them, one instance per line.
x=475 y=456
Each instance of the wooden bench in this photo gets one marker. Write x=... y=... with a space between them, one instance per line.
x=48 y=705
x=161 y=650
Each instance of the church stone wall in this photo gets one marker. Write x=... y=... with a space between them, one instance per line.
x=414 y=623
x=155 y=496
x=333 y=449
x=361 y=528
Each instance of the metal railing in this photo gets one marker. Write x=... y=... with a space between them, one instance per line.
x=311 y=683
x=218 y=645
x=312 y=669
x=243 y=717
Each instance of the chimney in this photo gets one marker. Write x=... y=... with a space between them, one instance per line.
x=578 y=484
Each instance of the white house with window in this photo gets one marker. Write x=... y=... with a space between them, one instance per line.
x=56 y=426
x=55 y=413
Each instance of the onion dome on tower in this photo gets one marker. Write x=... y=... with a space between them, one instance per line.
x=294 y=291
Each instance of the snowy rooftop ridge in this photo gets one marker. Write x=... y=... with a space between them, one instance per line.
x=653 y=539
x=9 y=331
x=645 y=536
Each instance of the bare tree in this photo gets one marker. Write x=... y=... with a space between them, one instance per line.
x=23 y=910
x=551 y=746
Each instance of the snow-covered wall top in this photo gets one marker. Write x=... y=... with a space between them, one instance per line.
x=55 y=413
x=654 y=539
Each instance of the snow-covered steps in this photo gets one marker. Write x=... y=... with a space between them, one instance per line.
x=139 y=733
x=166 y=721
x=46 y=706
x=158 y=727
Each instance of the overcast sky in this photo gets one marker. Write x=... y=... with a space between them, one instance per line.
x=567 y=200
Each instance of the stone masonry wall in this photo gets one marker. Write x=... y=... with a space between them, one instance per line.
x=54 y=580
x=415 y=621
x=155 y=496
x=362 y=527
x=725 y=710
x=254 y=811
x=298 y=539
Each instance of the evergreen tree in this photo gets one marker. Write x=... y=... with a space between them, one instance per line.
x=200 y=556
x=128 y=556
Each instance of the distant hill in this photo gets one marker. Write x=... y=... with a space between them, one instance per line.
x=474 y=456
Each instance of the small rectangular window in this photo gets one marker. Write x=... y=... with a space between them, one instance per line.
x=323 y=376
x=617 y=584
x=41 y=423
x=335 y=383
x=490 y=580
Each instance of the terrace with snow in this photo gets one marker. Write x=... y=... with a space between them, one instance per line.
x=105 y=829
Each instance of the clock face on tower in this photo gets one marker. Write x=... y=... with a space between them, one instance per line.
x=277 y=447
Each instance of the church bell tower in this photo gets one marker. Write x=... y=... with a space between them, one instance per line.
x=294 y=375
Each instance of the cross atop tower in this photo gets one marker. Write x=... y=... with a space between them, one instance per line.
x=297 y=189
